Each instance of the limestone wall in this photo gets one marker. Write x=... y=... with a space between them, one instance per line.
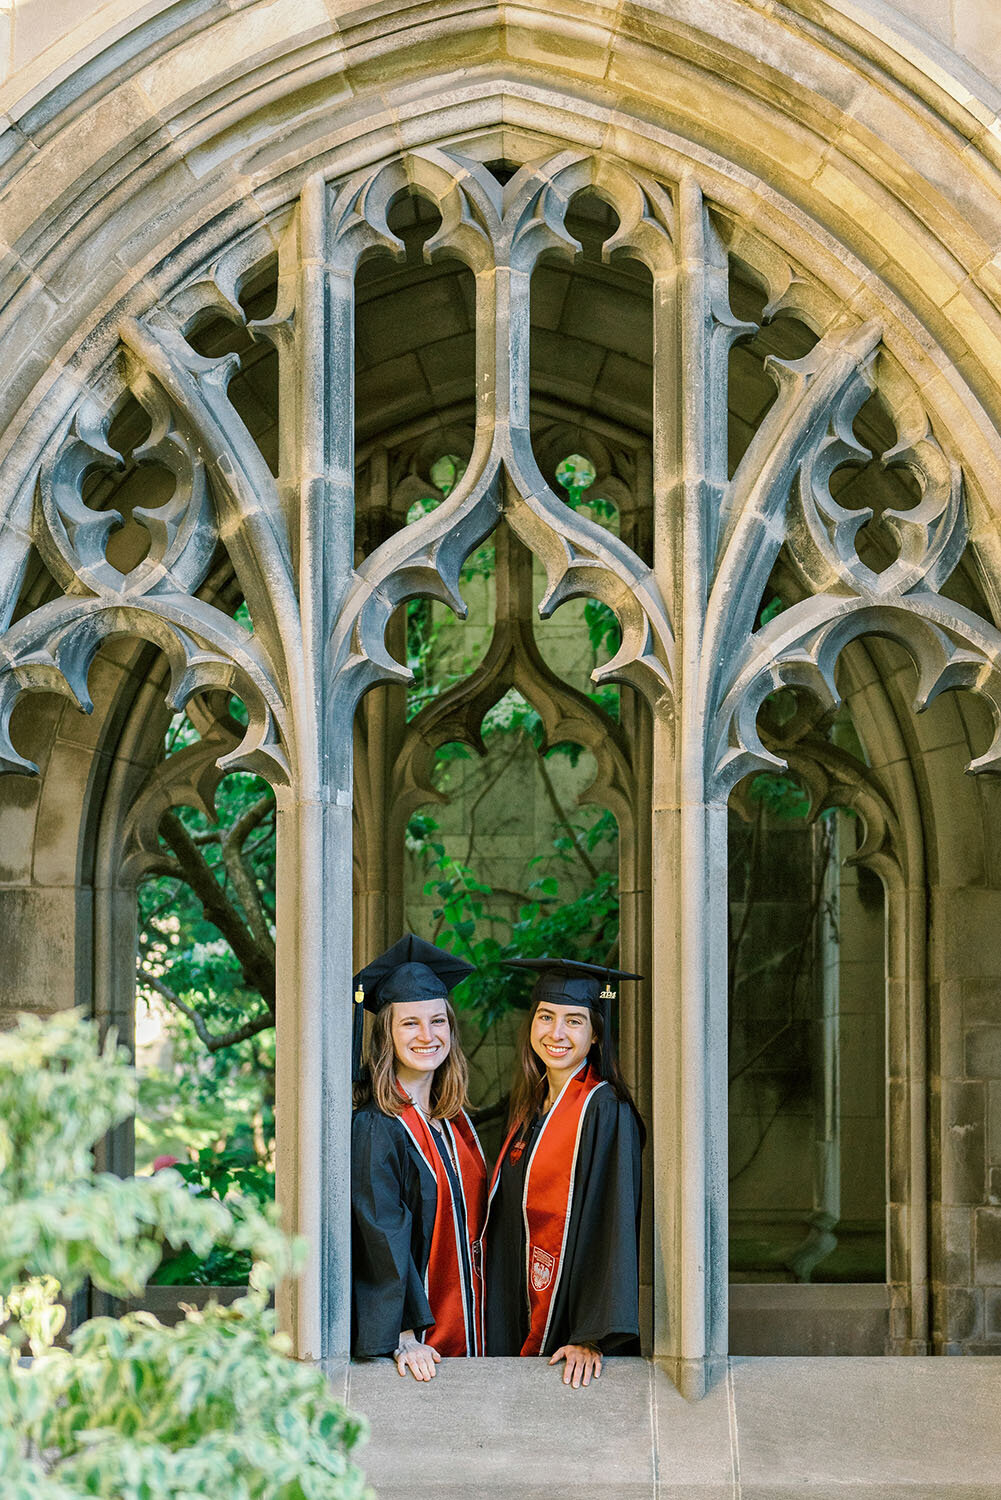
x=971 y=29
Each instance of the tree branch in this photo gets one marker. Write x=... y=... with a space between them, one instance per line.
x=256 y=960
x=212 y=1041
x=563 y=820
x=241 y=871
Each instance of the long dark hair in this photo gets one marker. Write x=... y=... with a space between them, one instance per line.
x=448 y=1087
x=529 y=1087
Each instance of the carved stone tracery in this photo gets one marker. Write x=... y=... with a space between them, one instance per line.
x=690 y=644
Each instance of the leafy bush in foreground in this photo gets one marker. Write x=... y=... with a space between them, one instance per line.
x=133 y=1410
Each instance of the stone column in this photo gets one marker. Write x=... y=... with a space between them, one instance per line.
x=313 y=1060
x=689 y=827
x=314 y=825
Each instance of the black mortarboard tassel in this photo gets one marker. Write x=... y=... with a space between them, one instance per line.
x=411 y=969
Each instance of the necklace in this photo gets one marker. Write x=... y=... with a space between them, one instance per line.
x=443 y=1133
x=439 y=1129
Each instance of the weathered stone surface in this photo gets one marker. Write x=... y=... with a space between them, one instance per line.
x=45 y=932
x=466 y=1417
x=987 y=1246
x=994 y=1185
x=915 y=1429
x=693 y=1447
x=951 y=1244
x=992 y=1314
x=983 y=1052
x=982 y=1002
x=994 y=1121
x=786 y=1319
x=963 y=1135
x=962 y=1310
x=892 y=1426
x=968 y=932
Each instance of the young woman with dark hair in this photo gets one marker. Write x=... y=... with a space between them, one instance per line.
x=562 y=1237
x=418 y=1178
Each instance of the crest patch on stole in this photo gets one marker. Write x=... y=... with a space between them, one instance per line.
x=543 y=1266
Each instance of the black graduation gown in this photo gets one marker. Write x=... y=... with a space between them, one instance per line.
x=597 y=1300
x=393 y=1204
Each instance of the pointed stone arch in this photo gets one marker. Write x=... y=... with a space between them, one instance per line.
x=851 y=244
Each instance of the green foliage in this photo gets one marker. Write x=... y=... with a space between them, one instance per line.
x=772 y=607
x=576 y=474
x=603 y=630
x=192 y=981
x=58 y=1095
x=179 y=943
x=781 y=794
x=205 y=1100
x=229 y=1176
x=134 y=1410
x=573 y=925
x=213 y=1407
x=235 y=1170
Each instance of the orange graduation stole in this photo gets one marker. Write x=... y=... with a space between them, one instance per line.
x=453 y=1334
x=549 y=1181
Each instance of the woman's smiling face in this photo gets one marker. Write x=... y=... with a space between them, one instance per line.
x=561 y=1036
x=422 y=1037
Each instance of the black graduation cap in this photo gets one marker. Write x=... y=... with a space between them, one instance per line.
x=566 y=981
x=411 y=969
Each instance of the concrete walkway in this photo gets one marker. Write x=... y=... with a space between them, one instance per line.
x=823 y=1429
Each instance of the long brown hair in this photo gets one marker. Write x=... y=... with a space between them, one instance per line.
x=529 y=1087
x=448 y=1087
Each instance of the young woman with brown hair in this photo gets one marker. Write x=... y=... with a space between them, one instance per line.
x=562 y=1257
x=418 y=1178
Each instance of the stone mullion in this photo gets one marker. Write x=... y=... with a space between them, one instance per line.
x=635 y=1016
x=689 y=838
x=634 y=898
x=380 y=727
x=907 y=1146
x=314 y=887
x=906 y=965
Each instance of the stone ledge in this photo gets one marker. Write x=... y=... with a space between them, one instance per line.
x=774 y=1429
x=786 y=1319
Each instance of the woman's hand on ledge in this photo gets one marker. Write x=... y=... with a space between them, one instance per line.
x=583 y=1361
x=420 y=1359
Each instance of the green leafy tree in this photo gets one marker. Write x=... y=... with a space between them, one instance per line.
x=207 y=937
x=205 y=966
x=133 y=1410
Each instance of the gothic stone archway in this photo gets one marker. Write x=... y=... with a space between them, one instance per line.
x=690 y=646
